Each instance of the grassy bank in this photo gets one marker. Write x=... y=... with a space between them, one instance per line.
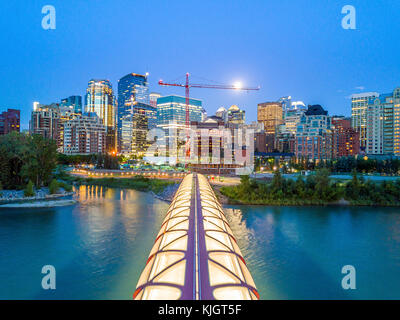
x=139 y=183
x=314 y=190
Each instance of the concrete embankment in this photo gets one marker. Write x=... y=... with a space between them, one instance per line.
x=43 y=195
x=168 y=193
x=39 y=204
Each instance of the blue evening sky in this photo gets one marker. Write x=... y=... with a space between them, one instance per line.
x=288 y=47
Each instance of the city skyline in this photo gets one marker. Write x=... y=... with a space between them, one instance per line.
x=347 y=112
x=283 y=56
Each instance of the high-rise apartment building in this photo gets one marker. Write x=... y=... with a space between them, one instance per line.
x=100 y=100
x=46 y=121
x=359 y=106
x=286 y=132
x=9 y=121
x=314 y=138
x=132 y=89
x=383 y=124
x=84 y=134
x=346 y=139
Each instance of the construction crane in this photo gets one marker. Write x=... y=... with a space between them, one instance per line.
x=187 y=85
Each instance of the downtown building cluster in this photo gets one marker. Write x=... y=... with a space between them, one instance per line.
x=122 y=122
x=295 y=130
x=311 y=133
x=100 y=122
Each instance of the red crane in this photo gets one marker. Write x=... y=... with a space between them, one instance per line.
x=188 y=85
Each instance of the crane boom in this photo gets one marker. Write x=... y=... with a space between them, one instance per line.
x=187 y=85
x=208 y=86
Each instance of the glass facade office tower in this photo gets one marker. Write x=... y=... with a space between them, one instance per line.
x=235 y=115
x=223 y=114
x=171 y=117
x=72 y=104
x=135 y=125
x=132 y=89
x=271 y=115
x=171 y=110
x=100 y=100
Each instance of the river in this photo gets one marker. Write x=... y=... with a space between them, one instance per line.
x=100 y=245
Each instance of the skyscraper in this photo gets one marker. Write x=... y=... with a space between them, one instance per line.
x=72 y=104
x=271 y=115
x=46 y=121
x=153 y=99
x=383 y=124
x=135 y=125
x=314 y=138
x=100 y=100
x=236 y=116
x=286 y=103
x=132 y=89
x=223 y=114
x=84 y=135
x=346 y=138
x=359 y=105
x=171 y=117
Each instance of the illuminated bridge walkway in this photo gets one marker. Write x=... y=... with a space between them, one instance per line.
x=195 y=256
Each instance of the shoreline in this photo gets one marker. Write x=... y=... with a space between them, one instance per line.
x=47 y=197
x=225 y=200
x=39 y=204
x=332 y=204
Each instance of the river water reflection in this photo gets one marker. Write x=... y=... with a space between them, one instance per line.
x=100 y=245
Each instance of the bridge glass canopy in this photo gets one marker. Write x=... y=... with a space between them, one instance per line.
x=195 y=255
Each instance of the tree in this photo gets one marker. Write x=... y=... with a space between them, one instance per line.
x=277 y=181
x=29 y=192
x=54 y=186
x=41 y=163
x=106 y=161
x=13 y=154
x=245 y=184
x=322 y=186
x=24 y=158
x=353 y=187
x=300 y=186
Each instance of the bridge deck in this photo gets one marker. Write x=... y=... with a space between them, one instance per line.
x=195 y=255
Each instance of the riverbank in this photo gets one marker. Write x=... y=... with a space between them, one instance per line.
x=39 y=204
x=43 y=194
x=167 y=194
x=138 y=183
x=318 y=190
